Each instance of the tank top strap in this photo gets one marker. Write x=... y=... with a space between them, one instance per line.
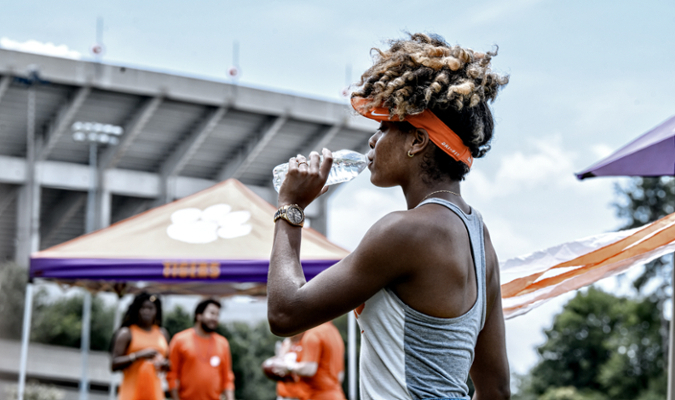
x=474 y=226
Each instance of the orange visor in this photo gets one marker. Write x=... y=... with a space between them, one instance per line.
x=439 y=133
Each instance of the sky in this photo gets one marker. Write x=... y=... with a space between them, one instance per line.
x=585 y=79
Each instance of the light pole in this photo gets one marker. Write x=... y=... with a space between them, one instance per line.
x=95 y=134
x=30 y=234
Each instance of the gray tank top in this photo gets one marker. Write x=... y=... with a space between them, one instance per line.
x=406 y=354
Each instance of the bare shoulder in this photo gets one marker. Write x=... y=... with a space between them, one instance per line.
x=122 y=341
x=393 y=235
x=123 y=335
x=401 y=227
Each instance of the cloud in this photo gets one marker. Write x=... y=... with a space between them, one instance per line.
x=602 y=150
x=547 y=164
x=505 y=237
x=33 y=46
x=356 y=207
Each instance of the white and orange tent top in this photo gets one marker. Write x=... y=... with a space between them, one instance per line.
x=216 y=241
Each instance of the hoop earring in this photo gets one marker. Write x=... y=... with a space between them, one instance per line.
x=410 y=154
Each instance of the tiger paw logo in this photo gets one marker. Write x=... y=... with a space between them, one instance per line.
x=195 y=226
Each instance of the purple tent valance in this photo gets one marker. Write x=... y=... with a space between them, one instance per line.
x=176 y=271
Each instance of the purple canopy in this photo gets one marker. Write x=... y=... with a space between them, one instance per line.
x=652 y=154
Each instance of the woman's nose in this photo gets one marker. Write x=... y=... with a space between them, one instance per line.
x=372 y=141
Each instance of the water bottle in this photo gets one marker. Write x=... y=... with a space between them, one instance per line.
x=347 y=165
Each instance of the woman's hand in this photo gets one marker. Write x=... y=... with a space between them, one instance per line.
x=305 y=179
x=160 y=363
x=146 y=353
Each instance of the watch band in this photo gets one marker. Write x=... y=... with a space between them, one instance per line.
x=282 y=213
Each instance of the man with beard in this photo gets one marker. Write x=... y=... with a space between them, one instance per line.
x=201 y=364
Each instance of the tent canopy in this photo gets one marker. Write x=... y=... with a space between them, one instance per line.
x=652 y=154
x=217 y=241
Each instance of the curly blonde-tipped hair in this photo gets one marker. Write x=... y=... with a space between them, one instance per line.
x=455 y=83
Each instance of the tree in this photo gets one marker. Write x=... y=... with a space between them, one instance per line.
x=59 y=322
x=250 y=346
x=177 y=320
x=642 y=201
x=600 y=345
x=12 y=292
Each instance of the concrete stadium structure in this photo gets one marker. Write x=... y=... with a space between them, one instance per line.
x=181 y=135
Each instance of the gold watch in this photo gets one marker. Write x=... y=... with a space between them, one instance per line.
x=292 y=213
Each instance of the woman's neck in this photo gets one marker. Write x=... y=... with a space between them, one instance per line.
x=418 y=191
x=145 y=327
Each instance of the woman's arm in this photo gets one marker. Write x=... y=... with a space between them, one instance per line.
x=387 y=254
x=294 y=305
x=119 y=360
x=490 y=369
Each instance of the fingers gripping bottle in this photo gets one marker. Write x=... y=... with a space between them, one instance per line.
x=347 y=165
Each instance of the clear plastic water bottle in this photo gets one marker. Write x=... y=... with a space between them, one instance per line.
x=347 y=165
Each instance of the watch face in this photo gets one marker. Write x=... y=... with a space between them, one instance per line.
x=294 y=215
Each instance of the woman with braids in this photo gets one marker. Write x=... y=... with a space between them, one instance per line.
x=424 y=283
x=140 y=348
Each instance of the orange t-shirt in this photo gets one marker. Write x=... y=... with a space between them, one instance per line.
x=324 y=346
x=141 y=380
x=298 y=388
x=200 y=367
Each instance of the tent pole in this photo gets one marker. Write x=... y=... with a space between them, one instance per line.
x=86 y=304
x=25 y=336
x=116 y=323
x=84 y=349
x=351 y=355
x=671 y=341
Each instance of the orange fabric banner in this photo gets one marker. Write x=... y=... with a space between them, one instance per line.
x=536 y=278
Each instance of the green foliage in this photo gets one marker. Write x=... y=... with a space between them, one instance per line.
x=645 y=200
x=250 y=346
x=60 y=322
x=177 y=320
x=571 y=393
x=642 y=201
x=575 y=347
x=12 y=293
x=600 y=345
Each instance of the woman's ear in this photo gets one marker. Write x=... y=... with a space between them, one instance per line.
x=420 y=141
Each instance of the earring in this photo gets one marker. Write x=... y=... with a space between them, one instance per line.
x=410 y=154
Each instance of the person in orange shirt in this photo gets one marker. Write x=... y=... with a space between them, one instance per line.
x=289 y=385
x=320 y=363
x=201 y=364
x=139 y=349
